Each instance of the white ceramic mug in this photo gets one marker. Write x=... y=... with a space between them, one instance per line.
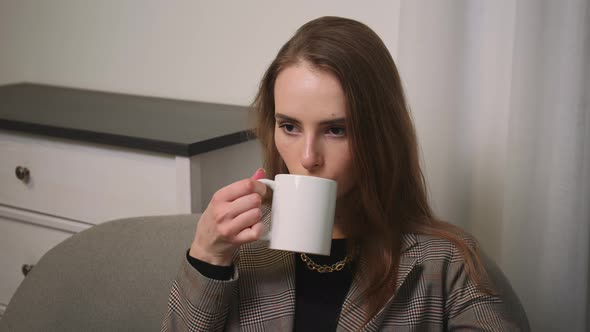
x=302 y=213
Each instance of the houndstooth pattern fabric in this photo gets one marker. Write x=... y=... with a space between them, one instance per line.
x=432 y=293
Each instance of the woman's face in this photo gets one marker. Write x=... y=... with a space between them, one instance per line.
x=310 y=122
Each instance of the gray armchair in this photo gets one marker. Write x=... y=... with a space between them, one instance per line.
x=117 y=276
x=113 y=277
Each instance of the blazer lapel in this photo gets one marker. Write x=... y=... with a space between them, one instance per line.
x=351 y=319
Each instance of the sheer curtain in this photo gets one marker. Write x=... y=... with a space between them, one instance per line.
x=500 y=93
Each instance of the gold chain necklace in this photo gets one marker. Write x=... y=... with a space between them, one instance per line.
x=338 y=266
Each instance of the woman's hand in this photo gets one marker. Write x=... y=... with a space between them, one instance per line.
x=232 y=218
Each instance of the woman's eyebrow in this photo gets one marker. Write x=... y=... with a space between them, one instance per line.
x=279 y=116
x=337 y=121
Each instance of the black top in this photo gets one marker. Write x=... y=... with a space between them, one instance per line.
x=318 y=296
x=177 y=127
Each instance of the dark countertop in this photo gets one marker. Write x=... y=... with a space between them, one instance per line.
x=184 y=128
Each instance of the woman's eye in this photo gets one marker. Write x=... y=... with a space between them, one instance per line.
x=336 y=131
x=287 y=127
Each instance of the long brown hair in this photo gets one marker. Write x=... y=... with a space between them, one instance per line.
x=390 y=193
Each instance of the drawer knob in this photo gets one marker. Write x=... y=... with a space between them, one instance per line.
x=22 y=173
x=26 y=268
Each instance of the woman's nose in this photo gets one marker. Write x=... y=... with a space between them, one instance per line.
x=312 y=157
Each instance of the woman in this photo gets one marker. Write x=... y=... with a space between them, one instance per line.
x=331 y=105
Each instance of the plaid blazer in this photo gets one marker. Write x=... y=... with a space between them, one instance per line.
x=432 y=293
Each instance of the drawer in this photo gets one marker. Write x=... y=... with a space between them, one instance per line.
x=85 y=182
x=22 y=243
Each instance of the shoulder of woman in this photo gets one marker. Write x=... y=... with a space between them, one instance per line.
x=428 y=247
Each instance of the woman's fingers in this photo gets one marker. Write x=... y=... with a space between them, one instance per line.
x=231 y=229
x=259 y=174
x=232 y=218
x=244 y=204
x=250 y=234
x=239 y=189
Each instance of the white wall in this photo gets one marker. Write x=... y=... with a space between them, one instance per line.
x=212 y=51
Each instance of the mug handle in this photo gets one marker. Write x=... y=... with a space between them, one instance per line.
x=271 y=184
